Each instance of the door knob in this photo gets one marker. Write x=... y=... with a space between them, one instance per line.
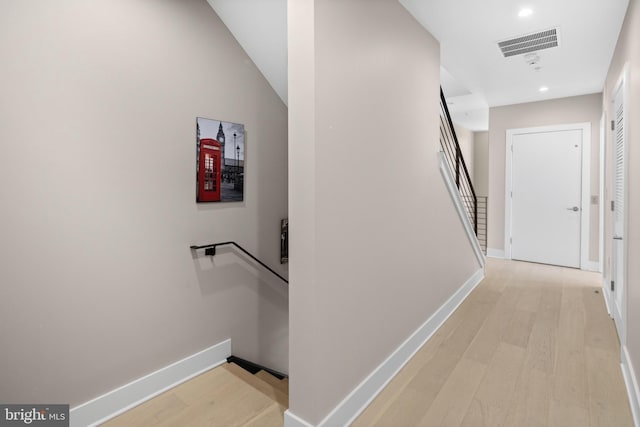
x=575 y=209
x=617 y=238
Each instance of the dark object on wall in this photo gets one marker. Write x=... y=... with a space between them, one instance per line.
x=284 y=241
x=219 y=161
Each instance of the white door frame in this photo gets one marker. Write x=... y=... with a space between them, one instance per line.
x=586 y=183
x=621 y=84
x=601 y=197
x=606 y=279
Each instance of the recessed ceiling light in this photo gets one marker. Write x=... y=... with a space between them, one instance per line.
x=543 y=89
x=525 y=12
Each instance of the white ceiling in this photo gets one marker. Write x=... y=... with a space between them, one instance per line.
x=475 y=75
x=468 y=31
x=260 y=26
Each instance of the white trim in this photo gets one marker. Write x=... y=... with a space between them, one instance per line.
x=620 y=313
x=361 y=396
x=631 y=381
x=592 y=266
x=495 y=253
x=606 y=293
x=455 y=197
x=601 y=197
x=292 y=420
x=585 y=211
x=115 y=402
x=585 y=218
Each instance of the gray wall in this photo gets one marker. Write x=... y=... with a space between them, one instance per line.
x=97 y=169
x=628 y=52
x=577 y=109
x=372 y=224
x=481 y=163
x=467 y=146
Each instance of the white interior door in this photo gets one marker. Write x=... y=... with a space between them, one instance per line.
x=618 y=244
x=546 y=197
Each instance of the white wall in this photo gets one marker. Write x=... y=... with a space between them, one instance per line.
x=97 y=180
x=371 y=256
x=576 y=109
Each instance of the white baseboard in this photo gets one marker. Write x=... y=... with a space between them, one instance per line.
x=592 y=266
x=292 y=420
x=607 y=296
x=353 y=405
x=631 y=381
x=115 y=402
x=495 y=253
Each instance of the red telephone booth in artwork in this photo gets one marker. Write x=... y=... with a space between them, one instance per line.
x=209 y=171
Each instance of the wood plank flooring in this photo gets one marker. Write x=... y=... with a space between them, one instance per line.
x=225 y=396
x=533 y=345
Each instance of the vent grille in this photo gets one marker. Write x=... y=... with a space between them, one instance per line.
x=529 y=43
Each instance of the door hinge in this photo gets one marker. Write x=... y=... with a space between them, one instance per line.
x=511 y=240
x=613 y=125
x=613 y=286
x=613 y=205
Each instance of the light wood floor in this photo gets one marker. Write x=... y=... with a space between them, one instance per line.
x=531 y=346
x=223 y=397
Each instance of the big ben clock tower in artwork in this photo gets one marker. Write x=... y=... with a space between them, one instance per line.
x=220 y=139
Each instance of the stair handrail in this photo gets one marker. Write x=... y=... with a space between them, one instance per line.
x=460 y=161
x=210 y=250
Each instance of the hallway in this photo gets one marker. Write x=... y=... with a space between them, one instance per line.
x=532 y=345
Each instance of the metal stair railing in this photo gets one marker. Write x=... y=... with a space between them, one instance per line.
x=210 y=250
x=455 y=160
x=482 y=222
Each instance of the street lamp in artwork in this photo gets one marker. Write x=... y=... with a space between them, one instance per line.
x=235 y=178
x=237 y=164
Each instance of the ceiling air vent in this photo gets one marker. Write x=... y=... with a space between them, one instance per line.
x=529 y=43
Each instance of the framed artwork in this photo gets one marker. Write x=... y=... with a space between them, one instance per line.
x=219 y=161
